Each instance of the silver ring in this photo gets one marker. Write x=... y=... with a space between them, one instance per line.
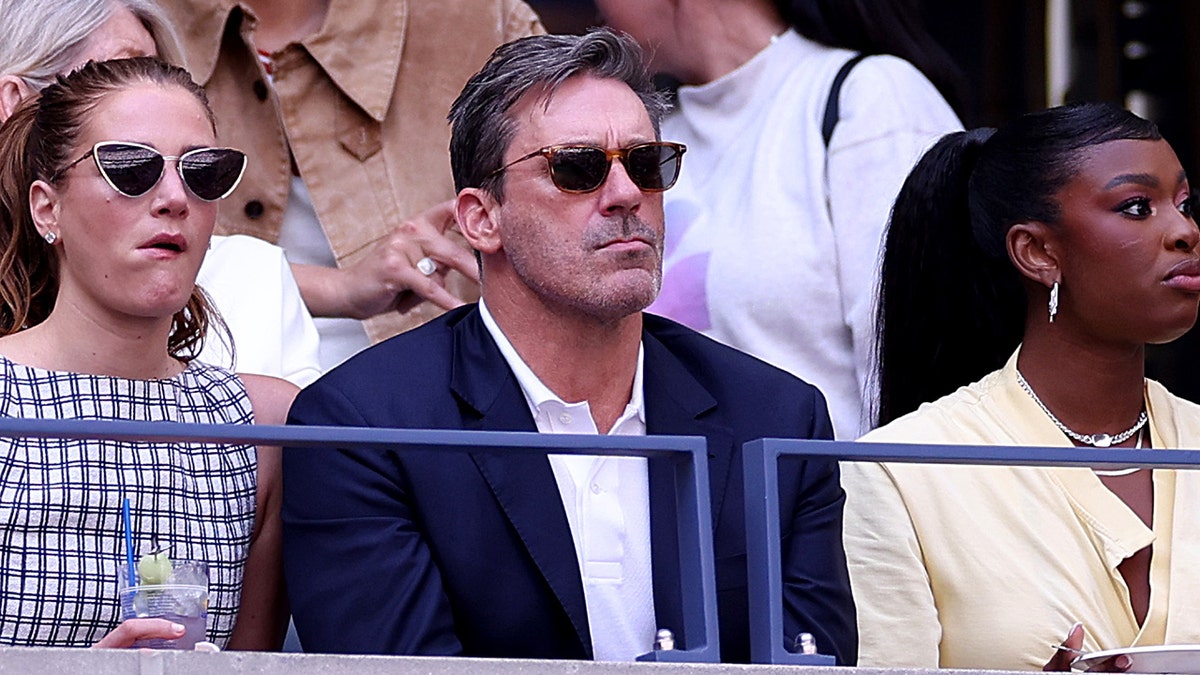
x=426 y=266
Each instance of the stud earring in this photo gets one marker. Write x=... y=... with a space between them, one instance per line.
x=1053 y=301
x=50 y=238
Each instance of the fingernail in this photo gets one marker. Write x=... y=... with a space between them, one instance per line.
x=1122 y=662
x=1074 y=627
x=177 y=627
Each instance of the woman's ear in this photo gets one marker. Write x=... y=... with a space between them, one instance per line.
x=13 y=90
x=477 y=213
x=43 y=208
x=1034 y=250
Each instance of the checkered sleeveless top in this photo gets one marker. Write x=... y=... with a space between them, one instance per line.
x=61 y=533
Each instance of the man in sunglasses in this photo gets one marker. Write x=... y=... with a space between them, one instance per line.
x=560 y=172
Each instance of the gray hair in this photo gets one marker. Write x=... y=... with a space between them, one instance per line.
x=42 y=38
x=481 y=129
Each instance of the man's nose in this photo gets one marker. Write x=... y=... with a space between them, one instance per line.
x=619 y=193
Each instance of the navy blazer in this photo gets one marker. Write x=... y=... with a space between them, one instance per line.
x=415 y=552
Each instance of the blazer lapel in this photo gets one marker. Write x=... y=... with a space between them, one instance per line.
x=676 y=404
x=523 y=484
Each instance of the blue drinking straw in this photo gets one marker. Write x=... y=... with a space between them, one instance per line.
x=128 y=544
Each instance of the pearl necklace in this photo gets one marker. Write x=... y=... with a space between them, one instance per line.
x=1097 y=440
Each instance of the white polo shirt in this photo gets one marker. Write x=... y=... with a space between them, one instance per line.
x=607 y=502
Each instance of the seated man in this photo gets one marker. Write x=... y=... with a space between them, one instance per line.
x=560 y=175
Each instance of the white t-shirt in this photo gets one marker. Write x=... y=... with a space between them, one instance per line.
x=252 y=286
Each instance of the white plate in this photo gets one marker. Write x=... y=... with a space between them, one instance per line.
x=1154 y=659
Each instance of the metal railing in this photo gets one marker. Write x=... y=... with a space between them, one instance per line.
x=761 y=465
x=688 y=457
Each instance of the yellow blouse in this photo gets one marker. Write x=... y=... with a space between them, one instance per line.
x=986 y=567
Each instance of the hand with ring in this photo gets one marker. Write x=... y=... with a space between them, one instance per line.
x=411 y=260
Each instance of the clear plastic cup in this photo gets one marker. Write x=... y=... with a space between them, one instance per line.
x=182 y=598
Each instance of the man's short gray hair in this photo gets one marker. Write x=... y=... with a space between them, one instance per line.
x=42 y=38
x=481 y=129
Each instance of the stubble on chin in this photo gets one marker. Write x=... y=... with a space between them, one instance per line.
x=636 y=286
x=573 y=278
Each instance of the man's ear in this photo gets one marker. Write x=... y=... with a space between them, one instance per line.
x=43 y=207
x=477 y=212
x=13 y=90
x=1035 y=251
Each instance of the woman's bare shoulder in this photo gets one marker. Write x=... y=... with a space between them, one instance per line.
x=270 y=396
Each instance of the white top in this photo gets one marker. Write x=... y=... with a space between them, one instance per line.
x=305 y=242
x=767 y=250
x=607 y=500
x=252 y=286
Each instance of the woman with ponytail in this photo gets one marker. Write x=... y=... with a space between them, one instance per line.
x=108 y=197
x=1024 y=272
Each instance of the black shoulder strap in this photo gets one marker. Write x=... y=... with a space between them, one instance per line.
x=831 y=106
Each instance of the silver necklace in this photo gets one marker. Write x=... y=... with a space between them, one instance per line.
x=1097 y=440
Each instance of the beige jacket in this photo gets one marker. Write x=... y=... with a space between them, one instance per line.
x=986 y=567
x=362 y=105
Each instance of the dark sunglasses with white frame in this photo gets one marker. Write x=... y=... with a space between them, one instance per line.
x=132 y=169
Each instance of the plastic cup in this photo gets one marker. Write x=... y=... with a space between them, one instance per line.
x=183 y=599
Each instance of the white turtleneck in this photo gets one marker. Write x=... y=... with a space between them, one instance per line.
x=767 y=250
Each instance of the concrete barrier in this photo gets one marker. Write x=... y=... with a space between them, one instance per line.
x=58 y=661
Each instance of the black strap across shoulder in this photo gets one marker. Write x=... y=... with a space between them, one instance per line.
x=831 y=106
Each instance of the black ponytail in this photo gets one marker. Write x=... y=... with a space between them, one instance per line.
x=948 y=312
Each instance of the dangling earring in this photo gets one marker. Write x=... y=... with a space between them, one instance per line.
x=50 y=238
x=1053 y=301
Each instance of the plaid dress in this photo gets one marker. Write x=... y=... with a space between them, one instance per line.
x=61 y=532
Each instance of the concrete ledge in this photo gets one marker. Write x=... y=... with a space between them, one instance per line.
x=24 y=660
